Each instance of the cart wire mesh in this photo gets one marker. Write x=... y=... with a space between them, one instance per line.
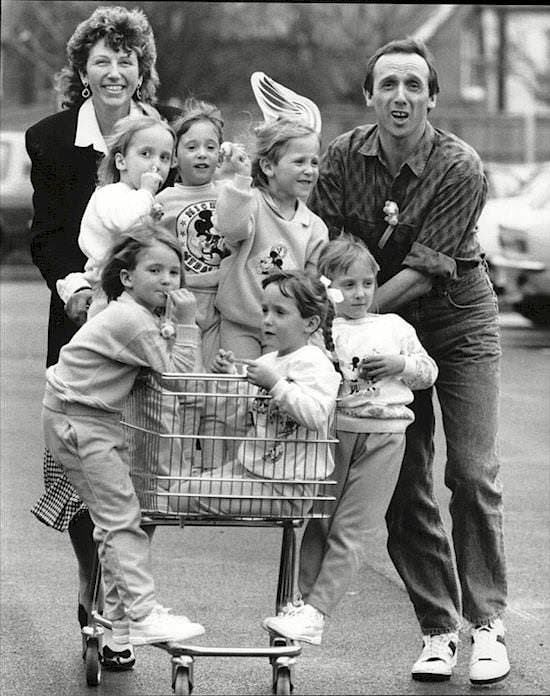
x=211 y=446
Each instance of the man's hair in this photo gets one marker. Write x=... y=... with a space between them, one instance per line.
x=408 y=45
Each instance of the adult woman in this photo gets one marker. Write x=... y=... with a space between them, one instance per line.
x=110 y=73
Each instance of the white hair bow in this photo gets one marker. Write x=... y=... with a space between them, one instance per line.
x=276 y=100
x=334 y=294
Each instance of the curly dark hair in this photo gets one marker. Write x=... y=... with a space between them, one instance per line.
x=121 y=28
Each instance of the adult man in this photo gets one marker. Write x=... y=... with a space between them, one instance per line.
x=433 y=273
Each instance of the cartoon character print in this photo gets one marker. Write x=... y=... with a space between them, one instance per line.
x=272 y=261
x=357 y=382
x=277 y=423
x=203 y=247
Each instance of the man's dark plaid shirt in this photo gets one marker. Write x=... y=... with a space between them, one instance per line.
x=440 y=190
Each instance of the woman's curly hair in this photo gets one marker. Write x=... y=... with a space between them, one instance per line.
x=121 y=28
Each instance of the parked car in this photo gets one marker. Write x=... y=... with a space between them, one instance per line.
x=530 y=184
x=15 y=197
x=506 y=179
x=523 y=255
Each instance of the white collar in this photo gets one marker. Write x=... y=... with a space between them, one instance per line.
x=87 y=127
x=301 y=216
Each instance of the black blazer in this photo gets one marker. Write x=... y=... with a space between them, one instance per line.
x=63 y=177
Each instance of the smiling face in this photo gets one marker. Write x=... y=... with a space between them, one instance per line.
x=113 y=76
x=149 y=149
x=283 y=326
x=358 y=285
x=400 y=96
x=157 y=273
x=198 y=154
x=296 y=172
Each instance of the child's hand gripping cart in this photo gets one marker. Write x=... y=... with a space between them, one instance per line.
x=210 y=449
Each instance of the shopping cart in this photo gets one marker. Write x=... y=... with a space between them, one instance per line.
x=189 y=438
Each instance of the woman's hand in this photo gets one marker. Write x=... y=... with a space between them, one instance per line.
x=181 y=306
x=224 y=362
x=77 y=306
x=233 y=160
x=377 y=367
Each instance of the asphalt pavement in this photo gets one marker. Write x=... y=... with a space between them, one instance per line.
x=226 y=578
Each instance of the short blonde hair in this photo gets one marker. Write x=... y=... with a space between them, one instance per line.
x=271 y=142
x=123 y=133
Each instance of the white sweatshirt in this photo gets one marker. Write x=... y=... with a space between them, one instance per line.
x=301 y=408
x=111 y=210
x=367 y=406
x=259 y=237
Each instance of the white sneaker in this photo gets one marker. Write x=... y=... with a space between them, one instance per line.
x=160 y=627
x=489 y=661
x=297 y=621
x=437 y=659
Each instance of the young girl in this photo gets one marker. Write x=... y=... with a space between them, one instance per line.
x=266 y=226
x=188 y=208
x=303 y=385
x=381 y=360
x=85 y=393
x=138 y=163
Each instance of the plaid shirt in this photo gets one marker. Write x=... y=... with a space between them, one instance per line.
x=440 y=191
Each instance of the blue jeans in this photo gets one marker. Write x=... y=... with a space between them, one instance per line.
x=458 y=326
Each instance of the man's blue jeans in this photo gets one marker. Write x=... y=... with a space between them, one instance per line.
x=458 y=326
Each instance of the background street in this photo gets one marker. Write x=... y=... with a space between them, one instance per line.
x=226 y=578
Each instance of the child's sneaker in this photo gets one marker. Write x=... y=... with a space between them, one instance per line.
x=160 y=627
x=437 y=659
x=489 y=660
x=118 y=653
x=298 y=621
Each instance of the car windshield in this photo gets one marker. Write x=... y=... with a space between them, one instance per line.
x=537 y=191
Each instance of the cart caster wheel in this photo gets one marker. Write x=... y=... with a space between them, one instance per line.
x=93 y=662
x=283 y=685
x=182 y=685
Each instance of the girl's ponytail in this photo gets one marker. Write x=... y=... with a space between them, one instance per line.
x=329 y=339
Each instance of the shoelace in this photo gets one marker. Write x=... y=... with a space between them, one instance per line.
x=292 y=608
x=484 y=639
x=438 y=646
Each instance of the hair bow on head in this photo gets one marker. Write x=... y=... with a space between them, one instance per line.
x=276 y=100
x=334 y=294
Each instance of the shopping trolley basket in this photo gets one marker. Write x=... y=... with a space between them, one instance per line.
x=210 y=449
